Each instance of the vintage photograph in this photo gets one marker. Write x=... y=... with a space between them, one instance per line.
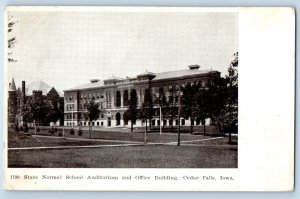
x=122 y=89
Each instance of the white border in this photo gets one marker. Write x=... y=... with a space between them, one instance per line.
x=266 y=112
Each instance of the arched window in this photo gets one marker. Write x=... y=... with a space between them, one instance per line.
x=125 y=98
x=118 y=99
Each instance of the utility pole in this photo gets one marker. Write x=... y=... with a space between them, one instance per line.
x=179 y=109
x=34 y=128
x=72 y=109
x=159 y=120
x=145 y=137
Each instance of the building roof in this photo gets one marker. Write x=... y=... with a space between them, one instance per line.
x=180 y=73
x=53 y=92
x=146 y=73
x=113 y=78
x=12 y=85
x=89 y=85
x=40 y=86
x=157 y=76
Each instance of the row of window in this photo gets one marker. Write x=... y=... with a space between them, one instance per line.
x=70 y=107
x=70 y=123
x=167 y=90
x=153 y=123
x=92 y=123
x=170 y=122
x=91 y=96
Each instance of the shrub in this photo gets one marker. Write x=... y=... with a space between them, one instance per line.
x=59 y=134
x=72 y=132
x=49 y=131
x=80 y=132
x=38 y=129
x=17 y=128
x=25 y=129
x=21 y=128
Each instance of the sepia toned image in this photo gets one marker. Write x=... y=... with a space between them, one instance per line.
x=96 y=89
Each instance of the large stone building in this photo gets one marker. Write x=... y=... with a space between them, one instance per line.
x=18 y=98
x=113 y=96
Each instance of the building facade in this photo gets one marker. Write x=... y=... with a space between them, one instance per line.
x=19 y=98
x=113 y=96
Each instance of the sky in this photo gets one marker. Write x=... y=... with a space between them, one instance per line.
x=66 y=49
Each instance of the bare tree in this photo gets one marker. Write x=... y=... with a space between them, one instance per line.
x=11 y=38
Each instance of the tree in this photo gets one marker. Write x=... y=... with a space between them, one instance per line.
x=132 y=108
x=202 y=106
x=54 y=113
x=217 y=97
x=188 y=101
x=35 y=111
x=11 y=38
x=172 y=108
x=228 y=115
x=92 y=113
x=162 y=101
x=147 y=110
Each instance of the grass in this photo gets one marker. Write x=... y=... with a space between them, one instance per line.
x=151 y=156
x=125 y=135
x=215 y=153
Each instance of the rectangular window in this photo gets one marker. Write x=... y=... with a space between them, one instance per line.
x=153 y=122
x=182 y=121
x=164 y=122
x=176 y=122
x=170 y=122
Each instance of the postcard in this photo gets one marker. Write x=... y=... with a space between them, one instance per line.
x=149 y=98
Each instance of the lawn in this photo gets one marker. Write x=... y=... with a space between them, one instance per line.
x=150 y=156
x=210 y=152
x=124 y=135
x=119 y=133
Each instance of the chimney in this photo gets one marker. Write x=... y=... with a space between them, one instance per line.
x=193 y=67
x=94 y=80
x=23 y=90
